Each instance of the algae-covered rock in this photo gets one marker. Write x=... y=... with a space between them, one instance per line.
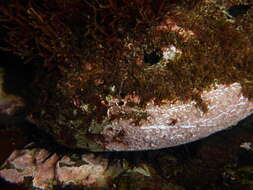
x=134 y=75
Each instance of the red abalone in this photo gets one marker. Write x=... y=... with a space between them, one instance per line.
x=160 y=78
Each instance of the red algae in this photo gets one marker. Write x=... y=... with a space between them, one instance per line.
x=102 y=62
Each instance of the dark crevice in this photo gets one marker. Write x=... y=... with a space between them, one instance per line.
x=18 y=77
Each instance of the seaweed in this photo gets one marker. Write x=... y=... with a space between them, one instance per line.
x=87 y=51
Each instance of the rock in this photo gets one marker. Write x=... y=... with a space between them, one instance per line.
x=47 y=169
x=92 y=173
